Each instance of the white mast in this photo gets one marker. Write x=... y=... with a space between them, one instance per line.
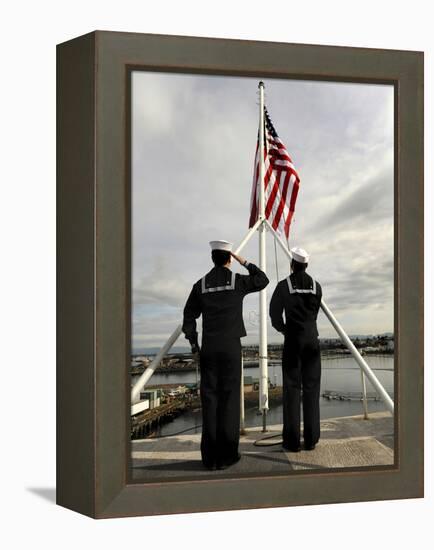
x=263 y=353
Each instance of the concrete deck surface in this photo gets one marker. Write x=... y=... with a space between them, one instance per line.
x=345 y=442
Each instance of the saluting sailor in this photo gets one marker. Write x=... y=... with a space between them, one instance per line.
x=299 y=297
x=218 y=297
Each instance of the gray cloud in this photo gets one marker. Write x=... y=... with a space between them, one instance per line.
x=160 y=285
x=371 y=200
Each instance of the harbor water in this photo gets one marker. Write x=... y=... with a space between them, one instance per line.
x=340 y=374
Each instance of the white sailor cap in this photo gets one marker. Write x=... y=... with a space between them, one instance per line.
x=299 y=255
x=221 y=245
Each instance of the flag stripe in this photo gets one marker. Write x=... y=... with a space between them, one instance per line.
x=281 y=182
x=281 y=206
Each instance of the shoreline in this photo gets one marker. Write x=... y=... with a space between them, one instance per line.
x=247 y=364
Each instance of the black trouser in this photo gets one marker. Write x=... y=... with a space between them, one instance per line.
x=220 y=380
x=301 y=366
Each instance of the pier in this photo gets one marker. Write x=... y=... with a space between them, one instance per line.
x=346 y=442
x=348 y=395
x=144 y=423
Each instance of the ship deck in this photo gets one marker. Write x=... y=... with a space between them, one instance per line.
x=346 y=442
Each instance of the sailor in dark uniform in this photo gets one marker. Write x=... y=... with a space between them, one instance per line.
x=218 y=297
x=299 y=297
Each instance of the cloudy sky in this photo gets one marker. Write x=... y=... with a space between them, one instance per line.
x=194 y=139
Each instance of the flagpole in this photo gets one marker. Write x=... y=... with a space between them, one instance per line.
x=263 y=359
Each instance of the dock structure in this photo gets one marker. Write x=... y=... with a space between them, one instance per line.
x=346 y=442
x=144 y=423
x=349 y=395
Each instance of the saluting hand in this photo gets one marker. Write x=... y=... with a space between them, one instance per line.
x=239 y=259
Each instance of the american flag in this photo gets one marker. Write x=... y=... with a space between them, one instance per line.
x=281 y=182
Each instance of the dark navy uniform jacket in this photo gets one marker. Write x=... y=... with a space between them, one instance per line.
x=218 y=297
x=299 y=297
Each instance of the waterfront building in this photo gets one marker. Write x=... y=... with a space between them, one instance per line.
x=153 y=396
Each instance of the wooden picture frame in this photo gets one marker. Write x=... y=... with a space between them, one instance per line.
x=94 y=234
